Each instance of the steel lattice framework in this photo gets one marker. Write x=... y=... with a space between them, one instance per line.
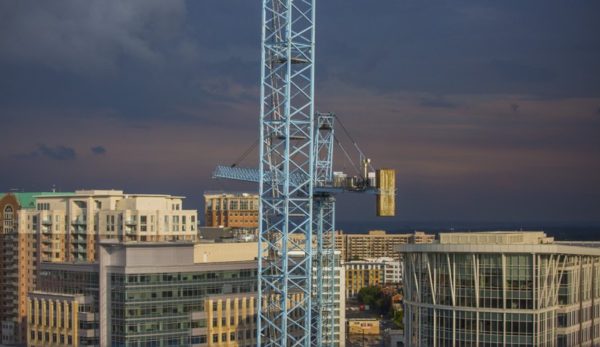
x=286 y=151
x=324 y=226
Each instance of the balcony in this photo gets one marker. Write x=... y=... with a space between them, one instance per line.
x=81 y=240
x=87 y=316
x=47 y=220
x=79 y=230
x=80 y=220
x=198 y=315
x=88 y=332
x=131 y=221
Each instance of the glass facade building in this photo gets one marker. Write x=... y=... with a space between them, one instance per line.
x=70 y=289
x=157 y=294
x=501 y=289
x=156 y=309
x=164 y=294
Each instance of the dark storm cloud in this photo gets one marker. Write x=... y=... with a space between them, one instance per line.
x=463 y=47
x=98 y=150
x=137 y=59
x=427 y=88
x=87 y=37
x=522 y=73
x=60 y=153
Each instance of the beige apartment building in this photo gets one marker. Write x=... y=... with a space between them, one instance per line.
x=70 y=226
x=234 y=210
x=376 y=244
x=18 y=255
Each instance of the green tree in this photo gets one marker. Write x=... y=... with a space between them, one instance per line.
x=398 y=319
x=376 y=299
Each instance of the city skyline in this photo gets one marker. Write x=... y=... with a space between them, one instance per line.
x=488 y=112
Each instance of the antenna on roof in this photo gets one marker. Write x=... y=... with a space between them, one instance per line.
x=54 y=188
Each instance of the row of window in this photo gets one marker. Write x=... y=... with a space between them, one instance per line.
x=53 y=338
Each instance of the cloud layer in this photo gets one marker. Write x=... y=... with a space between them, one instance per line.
x=489 y=111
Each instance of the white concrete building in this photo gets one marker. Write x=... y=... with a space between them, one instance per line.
x=334 y=318
x=392 y=269
x=70 y=225
x=501 y=289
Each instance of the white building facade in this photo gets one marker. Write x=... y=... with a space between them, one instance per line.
x=70 y=226
x=501 y=289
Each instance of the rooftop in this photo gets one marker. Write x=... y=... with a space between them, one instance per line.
x=230 y=194
x=520 y=242
x=104 y=193
x=27 y=199
x=496 y=237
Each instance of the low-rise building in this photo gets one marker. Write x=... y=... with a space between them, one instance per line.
x=362 y=274
x=392 y=269
x=363 y=326
x=234 y=210
x=371 y=272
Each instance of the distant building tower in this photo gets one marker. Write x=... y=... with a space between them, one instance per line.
x=376 y=244
x=501 y=289
x=233 y=210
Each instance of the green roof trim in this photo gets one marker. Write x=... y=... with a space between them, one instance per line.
x=27 y=199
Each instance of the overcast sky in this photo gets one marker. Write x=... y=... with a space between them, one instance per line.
x=489 y=111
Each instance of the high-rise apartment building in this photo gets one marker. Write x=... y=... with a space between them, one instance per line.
x=376 y=244
x=70 y=226
x=334 y=318
x=234 y=210
x=501 y=289
x=18 y=256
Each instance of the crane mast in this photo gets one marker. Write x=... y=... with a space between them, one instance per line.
x=297 y=186
x=286 y=173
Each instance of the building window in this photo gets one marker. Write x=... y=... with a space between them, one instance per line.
x=8 y=216
x=143 y=223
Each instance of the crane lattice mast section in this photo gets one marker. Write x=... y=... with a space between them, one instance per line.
x=286 y=173
x=297 y=186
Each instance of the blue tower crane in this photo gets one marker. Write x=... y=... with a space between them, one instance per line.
x=286 y=173
x=296 y=185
